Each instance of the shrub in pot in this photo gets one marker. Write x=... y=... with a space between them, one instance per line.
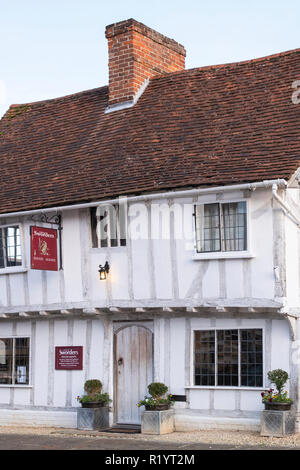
x=158 y=399
x=278 y=400
x=94 y=398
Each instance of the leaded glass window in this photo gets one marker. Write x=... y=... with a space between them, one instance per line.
x=251 y=358
x=221 y=227
x=205 y=358
x=228 y=361
x=228 y=358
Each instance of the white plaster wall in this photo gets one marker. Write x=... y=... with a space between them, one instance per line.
x=71 y=248
x=3 y=291
x=277 y=348
x=52 y=388
x=141 y=273
x=224 y=400
x=150 y=270
x=60 y=376
x=292 y=251
x=261 y=226
x=41 y=360
x=200 y=399
x=280 y=345
x=177 y=355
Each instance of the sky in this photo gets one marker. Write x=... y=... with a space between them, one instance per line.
x=52 y=48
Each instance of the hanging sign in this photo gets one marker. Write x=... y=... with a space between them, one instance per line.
x=68 y=357
x=44 y=248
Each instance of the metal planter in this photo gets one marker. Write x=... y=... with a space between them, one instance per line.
x=275 y=423
x=93 y=418
x=157 y=422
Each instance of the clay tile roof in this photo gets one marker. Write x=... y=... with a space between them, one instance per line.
x=215 y=125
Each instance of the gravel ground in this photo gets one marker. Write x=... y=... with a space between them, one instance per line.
x=233 y=438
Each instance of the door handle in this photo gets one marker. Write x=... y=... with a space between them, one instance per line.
x=120 y=361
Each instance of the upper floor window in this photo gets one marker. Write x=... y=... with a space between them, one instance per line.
x=221 y=226
x=228 y=357
x=10 y=246
x=108 y=225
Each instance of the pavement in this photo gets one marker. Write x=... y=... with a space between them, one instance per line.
x=16 y=438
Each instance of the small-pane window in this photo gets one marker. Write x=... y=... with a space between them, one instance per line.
x=251 y=358
x=108 y=224
x=10 y=247
x=228 y=362
x=14 y=361
x=221 y=227
x=228 y=358
x=205 y=358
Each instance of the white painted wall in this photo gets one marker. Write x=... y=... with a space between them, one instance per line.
x=154 y=270
x=292 y=251
x=145 y=273
x=49 y=387
x=56 y=390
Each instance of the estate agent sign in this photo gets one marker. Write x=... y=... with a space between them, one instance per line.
x=44 y=248
x=68 y=357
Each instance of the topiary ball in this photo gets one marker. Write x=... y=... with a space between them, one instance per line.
x=93 y=386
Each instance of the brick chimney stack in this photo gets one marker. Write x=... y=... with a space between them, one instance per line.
x=137 y=53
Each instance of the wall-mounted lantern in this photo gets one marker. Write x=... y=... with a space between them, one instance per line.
x=103 y=271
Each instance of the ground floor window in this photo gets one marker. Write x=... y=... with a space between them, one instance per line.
x=14 y=361
x=228 y=357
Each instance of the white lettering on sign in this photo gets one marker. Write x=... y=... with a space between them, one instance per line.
x=44 y=234
x=69 y=351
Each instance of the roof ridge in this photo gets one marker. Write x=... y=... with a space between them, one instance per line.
x=163 y=75
x=232 y=64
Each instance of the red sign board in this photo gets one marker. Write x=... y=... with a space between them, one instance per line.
x=44 y=248
x=68 y=357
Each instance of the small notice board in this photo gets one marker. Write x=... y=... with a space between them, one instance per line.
x=68 y=357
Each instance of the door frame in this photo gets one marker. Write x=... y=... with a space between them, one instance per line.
x=117 y=327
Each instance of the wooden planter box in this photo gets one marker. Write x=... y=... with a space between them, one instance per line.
x=92 y=417
x=157 y=422
x=277 y=423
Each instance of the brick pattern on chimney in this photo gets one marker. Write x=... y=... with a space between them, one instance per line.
x=137 y=53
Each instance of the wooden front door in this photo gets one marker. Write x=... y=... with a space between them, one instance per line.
x=133 y=371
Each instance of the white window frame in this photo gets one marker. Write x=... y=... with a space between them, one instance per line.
x=13 y=385
x=225 y=387
x=22 y=267
x=224 y=254
x=109 y=246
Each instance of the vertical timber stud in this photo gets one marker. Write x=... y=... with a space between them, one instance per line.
x=60 y=241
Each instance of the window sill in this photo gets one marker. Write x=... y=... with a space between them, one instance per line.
x=113 y=249
x=13 y=270
x=211 y=387
x=224 y=255
x=15 y=386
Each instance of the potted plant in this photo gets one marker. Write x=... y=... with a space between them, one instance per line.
x=278 y=400
x=93 y=397
x=158 y=399
x=94 y=410
x=277 y=419
x=157 y=417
